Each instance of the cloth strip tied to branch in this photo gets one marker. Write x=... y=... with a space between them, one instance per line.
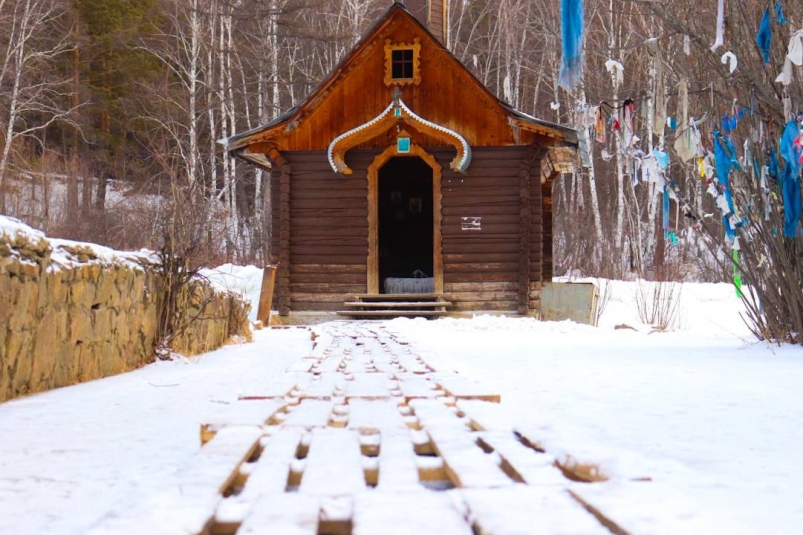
x=571 y=66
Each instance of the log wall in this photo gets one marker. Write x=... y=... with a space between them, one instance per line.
x=483 y=269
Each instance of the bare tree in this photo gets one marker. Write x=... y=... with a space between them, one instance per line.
x=33 y=97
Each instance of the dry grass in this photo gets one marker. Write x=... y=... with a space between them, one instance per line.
x=658 y=304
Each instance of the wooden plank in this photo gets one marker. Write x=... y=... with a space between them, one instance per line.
x=383 y=415
x=522 y=462
x=489 y=306
x=369 y=385
x=397 y=304
x=188 y=504
x=398 y=465
x=269 y=475
x=467 y=465
x=459 y=387
x=416 y=386
x=422 y=513
x=521 y=509
x=309 y=413
x=391 y=313
x=333 y=464
x=248 y=411
x=401 y=297
x=288 y=514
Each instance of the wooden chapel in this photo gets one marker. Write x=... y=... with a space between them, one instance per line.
x=403 y=186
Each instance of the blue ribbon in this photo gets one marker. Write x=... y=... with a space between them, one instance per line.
x=571 y=66
x=764 y=36
x=790 y=182
x=725 y=156
x=779 y=13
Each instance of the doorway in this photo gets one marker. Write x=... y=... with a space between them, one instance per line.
x=405 y=225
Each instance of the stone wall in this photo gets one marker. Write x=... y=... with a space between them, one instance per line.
x=72 y=312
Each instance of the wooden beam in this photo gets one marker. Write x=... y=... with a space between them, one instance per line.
x=284 y=231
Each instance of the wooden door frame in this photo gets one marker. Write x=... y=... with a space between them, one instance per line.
x=381 y=159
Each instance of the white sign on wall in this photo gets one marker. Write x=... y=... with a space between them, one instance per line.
x=471 y=223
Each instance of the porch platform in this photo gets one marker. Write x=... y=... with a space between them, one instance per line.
x=397 y=305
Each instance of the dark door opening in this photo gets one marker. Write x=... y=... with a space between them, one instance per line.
x=405 y=226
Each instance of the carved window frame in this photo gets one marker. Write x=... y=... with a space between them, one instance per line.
x=415 y=46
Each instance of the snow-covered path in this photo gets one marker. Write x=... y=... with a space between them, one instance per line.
x=70 y=455
x=697 y=431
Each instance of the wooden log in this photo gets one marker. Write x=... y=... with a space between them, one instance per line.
x=494 y=276
x=322 y=222
x=308 y=306
x=284 y=235
x=335 y=233
x=266 y=293
x=358 y=259
x=305 y=205
x=333 y=297
x=505 y=267
x=457 y=288
x=318 y=288
x=342 y=278
x=483 y=210
x=490 y=306
x=510 y=218
x=488 y=257
x=452 y=246
x=328 y=268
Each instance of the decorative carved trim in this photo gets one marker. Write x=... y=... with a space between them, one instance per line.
x=415 y=46
x=372 y=283
x=396 y=113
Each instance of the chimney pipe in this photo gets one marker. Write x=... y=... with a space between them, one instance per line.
x=433 y=14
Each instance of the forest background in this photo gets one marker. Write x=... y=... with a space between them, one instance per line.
x=110 y=111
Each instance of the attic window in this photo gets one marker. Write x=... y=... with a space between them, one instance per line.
x=402 y=63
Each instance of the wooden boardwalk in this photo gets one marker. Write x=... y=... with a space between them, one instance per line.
x=363 y=436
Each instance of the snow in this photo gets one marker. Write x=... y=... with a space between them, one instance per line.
x=696 y=430
x=66 y=253
x=245 y=280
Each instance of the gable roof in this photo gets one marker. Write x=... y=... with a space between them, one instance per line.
x=239 y=143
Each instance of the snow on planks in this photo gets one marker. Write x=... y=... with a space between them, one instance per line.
x=363 y=437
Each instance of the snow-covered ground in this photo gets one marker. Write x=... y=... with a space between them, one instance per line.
x=710 y=416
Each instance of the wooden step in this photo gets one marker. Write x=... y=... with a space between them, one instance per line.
x=397 y=304
x=392 y=313
x=401 y=297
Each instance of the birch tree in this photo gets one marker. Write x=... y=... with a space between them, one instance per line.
x=33 y=97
